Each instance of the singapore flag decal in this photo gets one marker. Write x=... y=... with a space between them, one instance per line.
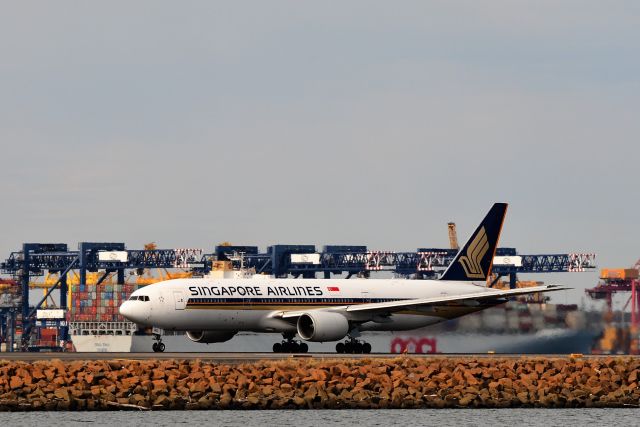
x=333 y=289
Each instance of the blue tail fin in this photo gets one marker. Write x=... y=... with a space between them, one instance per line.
x=475 y=259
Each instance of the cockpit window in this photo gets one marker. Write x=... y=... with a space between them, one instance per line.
x=133 y=298
x=139 y=298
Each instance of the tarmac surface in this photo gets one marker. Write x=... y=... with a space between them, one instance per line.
x=250 y=357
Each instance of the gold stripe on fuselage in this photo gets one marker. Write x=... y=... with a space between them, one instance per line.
x=444 y=311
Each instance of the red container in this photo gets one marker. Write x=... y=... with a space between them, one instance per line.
x=48 y=333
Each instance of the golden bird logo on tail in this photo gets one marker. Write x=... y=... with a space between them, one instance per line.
x=475 y=253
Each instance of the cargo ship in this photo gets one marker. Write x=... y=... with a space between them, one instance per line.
x=422 y=341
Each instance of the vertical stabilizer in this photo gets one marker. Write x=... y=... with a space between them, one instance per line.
x=474 y=261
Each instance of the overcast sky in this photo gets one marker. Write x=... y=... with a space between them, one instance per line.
x=362 y=122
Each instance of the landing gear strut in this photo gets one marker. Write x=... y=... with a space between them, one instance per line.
x=289 y=345
x=353 y=346
x=158 y=347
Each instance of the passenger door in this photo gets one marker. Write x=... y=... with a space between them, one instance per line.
x=181 y=301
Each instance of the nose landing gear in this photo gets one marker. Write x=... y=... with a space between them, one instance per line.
x=158 y=347
x=289 y=345
x=353 y=346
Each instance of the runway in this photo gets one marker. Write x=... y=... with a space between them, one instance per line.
x=235 y=358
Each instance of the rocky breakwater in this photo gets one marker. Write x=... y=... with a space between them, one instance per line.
x=403 y=382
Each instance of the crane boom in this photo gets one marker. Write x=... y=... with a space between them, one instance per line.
x=453 y=236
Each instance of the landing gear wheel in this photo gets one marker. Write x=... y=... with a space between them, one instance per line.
x=366 y=348
x=348 y=347
x=353 y=346
x=289 y=345
x=157 y=346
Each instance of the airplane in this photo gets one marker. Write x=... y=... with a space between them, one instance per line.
x=325 y=310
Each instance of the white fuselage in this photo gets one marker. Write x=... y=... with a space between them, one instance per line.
x=255 y=304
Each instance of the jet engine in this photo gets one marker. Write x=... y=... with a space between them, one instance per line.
x=206 y=337
x=321 y=326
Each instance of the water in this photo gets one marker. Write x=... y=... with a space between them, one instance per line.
x=304 y=418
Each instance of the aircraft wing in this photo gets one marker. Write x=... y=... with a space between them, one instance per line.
x=476 y=296
x=393 y=306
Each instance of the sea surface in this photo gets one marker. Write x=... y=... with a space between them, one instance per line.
x=354 y=418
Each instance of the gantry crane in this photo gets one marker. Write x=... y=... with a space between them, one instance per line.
x=618 y=337
x=453 y=236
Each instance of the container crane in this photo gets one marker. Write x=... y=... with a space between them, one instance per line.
x=453 y=236
x=612 y=281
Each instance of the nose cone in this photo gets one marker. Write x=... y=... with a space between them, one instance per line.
x=126 y=309
x=135 y=311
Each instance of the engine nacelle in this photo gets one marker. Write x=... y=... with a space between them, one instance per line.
x=206 y=337
x=321 y=326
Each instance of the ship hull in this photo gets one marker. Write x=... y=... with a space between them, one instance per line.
x=548 y=341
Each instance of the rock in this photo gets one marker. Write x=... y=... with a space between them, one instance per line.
x=159 y=384
x=467 y=399
x=161 y=400
x=311 y=393
x=285 y=387
x=15 y=382
x=225 y=400
x=77 y=393
x=523 y=397
x=505 y=383
x=37 y=373
x=62 y=393
x=403 y=382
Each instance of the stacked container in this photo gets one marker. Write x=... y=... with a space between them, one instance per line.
x=98 y=303
x=47 y=337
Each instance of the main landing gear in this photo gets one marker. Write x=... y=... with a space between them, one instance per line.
x=353 y=346
x=157 y=347
x=289 y=345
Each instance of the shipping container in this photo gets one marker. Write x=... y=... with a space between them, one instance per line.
x=619 y=273
x=98 y=303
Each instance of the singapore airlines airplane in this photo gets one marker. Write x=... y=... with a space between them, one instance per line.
x=321 y=310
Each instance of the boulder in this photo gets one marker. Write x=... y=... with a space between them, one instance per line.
x=15 y=382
